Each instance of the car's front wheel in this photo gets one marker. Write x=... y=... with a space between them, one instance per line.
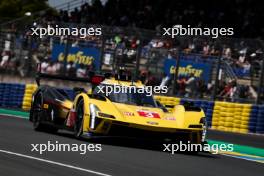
x=78 y=127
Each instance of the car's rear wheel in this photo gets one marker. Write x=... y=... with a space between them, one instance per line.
x=78 y=127
x=37 y=113
x=38 y=116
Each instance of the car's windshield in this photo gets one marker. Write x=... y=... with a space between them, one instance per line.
x=128 y=95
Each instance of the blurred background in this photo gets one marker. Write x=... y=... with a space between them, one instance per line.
x=197 y=67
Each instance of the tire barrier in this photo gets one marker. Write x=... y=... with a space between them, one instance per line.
x=224 y=116
x=29 y=90
x=11 y=95
x=256 y=122
x=233 y=117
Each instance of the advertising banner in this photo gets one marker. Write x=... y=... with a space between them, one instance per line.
x=200 y=70
x=77 y=55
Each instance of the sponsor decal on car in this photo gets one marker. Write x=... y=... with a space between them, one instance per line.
x=128 y=113
x=169 y=118
x=148 y=114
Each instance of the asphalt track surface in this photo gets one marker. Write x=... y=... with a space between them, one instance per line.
x=117 y=157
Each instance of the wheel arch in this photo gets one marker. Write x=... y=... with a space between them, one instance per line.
x=36 y=93
x=86 y=113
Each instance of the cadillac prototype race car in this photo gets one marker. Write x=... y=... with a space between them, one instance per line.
x=130 y=114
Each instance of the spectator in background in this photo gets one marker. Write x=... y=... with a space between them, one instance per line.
x=191 y=88
x=51 y=68
x=201 y=88
x=143 y=76
x=230 y=90
x=151 y=80
x=71 y=69
x=246 y=67
x=59 y=67
x=5 y=59
x=12 y=63
x=252 y=93
x=181 y=84
x=233 y=90
x=81 y=71
x=226 y=89
x=227 y=52
x=247 y=92
x=44 y=65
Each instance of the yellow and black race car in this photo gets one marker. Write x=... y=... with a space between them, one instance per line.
x=99 y=113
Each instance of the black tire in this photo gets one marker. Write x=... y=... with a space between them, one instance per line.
x=196 y=139
x=78 y=126
x=37 y=113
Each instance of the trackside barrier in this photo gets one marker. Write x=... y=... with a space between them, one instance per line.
x=29 y=90
x=256 y=122
x=11 y=95
x=224 y=116
x=232 y=117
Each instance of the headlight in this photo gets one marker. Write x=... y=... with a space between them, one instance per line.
x=93 y=111
x=93 y=108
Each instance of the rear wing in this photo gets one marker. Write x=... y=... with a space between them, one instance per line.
x=92 y=77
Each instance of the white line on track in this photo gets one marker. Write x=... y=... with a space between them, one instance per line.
x=240 y=157
x=55 y=163
x=11 y=115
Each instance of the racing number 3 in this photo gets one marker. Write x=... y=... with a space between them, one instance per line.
x=148 y=114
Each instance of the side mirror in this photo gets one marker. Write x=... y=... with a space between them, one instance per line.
x=161 y=106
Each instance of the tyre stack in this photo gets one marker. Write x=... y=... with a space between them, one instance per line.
x=29 y=90
x=260 y=120
x=254 y=118
x=208 y=108
x=17 y=95
x=11 y=95
x=245 y=117
x=232 y=117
